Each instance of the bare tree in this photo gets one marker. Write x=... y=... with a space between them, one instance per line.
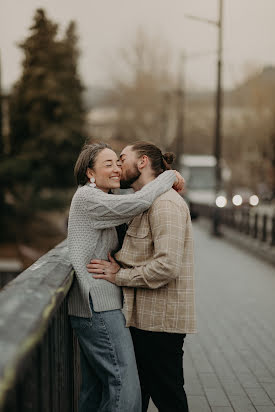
x=141 y=89
x=249 y=137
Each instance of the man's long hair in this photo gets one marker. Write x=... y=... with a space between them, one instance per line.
x=159 y=162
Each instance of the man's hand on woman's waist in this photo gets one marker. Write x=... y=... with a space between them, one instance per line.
x=105 y=269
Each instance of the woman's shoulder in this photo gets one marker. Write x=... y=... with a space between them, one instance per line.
x=80 y=193
x=84 y=191
x=90 y=194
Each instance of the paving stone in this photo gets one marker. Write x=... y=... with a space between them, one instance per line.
x=216 y=397
x=200 y=360
x=259 y=397
x=198 y=404
x=241 y=404
x=233 y=388
x=270 y=390
x=248 y=380
x=193 y=387
x=265 y=408
x=254 y=356
x=209 y=380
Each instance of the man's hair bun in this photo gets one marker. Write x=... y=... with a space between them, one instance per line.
x=169 y=157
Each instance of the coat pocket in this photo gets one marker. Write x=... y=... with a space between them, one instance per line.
x=139 y=227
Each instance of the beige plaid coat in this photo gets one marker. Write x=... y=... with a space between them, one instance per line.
x=157 y=268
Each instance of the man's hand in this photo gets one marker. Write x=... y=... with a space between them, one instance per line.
x=106 y=269
x=180 y=183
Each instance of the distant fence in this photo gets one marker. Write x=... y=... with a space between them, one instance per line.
x=248 y=221
x=39 y=355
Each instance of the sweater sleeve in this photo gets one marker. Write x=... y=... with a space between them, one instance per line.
x=108 y=210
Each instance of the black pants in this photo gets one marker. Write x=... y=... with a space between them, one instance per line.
x=159 y=361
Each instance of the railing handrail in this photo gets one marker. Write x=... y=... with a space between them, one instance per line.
x=27 y=305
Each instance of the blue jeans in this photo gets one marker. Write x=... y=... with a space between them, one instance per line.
x=110 y=380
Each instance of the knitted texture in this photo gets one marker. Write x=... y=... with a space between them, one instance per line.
x=93 y=217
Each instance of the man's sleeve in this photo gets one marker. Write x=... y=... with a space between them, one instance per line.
x=168 y=224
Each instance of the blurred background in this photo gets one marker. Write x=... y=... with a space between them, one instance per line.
x=196 y=77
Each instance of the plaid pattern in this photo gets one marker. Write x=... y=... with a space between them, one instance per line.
x=157 y=268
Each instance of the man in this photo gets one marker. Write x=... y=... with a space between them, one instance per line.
x=155 y=269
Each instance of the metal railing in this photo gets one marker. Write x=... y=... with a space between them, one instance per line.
x=255 y=224
x=39 y=361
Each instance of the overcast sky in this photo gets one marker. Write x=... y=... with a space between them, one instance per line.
x=106 y=25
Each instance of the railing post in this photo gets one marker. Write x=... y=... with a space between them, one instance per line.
x=232 y=218
x=264 y=222
x=272 y=243
x=247 y=226
x=242 y=222
x=255 y=231
x=227 y=217
x=222 y=216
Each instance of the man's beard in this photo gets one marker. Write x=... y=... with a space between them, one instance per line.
x=130 y=177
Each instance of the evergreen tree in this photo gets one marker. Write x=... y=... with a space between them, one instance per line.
x=47 y=117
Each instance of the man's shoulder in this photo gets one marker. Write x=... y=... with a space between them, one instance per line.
x=172 y=197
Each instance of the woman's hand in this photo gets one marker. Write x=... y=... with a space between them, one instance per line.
x=180 y=183
x=106 y=269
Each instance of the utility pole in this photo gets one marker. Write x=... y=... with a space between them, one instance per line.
x=164 y=116
x=218 y=126
x=180 y=112
x=218 y=123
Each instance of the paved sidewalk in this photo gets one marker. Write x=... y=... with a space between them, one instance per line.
x=230 y=364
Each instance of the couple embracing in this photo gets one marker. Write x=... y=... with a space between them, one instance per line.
x=132 y=300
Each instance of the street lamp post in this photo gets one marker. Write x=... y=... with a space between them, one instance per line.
x=218 y=123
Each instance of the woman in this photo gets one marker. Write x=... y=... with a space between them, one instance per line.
x=109 y=374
